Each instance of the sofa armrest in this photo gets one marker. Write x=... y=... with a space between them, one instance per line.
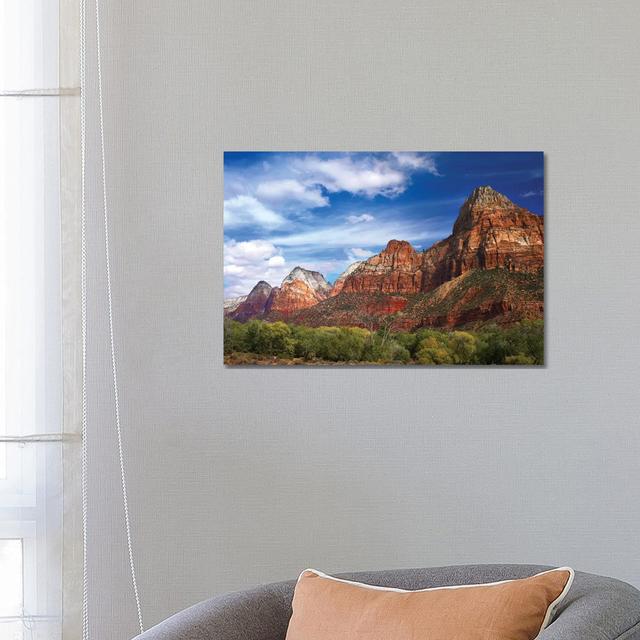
x=259 y=614
x=597 y=608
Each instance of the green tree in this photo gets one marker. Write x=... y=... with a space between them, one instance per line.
x=433 y=350
x=462 y=346
x=408 y=340
x=280 y=340
x=235 y=336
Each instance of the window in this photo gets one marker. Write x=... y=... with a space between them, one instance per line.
x=32 y=545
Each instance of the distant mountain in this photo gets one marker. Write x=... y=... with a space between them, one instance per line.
x=254 y=304
x=313 y=279
x=340 y=280
x=231 y=304
x=396 y=269
x=299 y=290
x=489 y=268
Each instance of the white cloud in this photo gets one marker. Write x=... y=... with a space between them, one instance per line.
x=364 y=217
x=245 y=263
x=270 y=194
x=291 y=192
x=355 y=254
x=417 y=162
x=249 y=251
x=346 y=236
x=233 y=270
x=365 y=175
x=276 y=261
x=243 y=210
x=530 y=194
x=368 y=176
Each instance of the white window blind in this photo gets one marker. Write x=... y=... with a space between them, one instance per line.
x=32 y=546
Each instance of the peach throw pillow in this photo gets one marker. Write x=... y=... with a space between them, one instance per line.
x=326 y=608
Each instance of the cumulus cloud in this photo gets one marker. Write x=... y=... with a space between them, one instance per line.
x=355 y=254
x=367 y=176
x=372 y=175
x=417 y=162
x=245 y=263
x=290 y=191
x=364 y=217
x=249 y=251
x=268 y=195
x=276 y=261
x=244 y=210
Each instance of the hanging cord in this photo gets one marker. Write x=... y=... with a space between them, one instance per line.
x=83 y=305
x=114 y=370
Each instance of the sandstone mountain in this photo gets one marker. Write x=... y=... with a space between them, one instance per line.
x=254 y=304
x=489 y=268
x=340 y=280
x=490 y=232
x=299 y=290
x=475 y=297
x=231 y=304
x=313 y=279
x=397 y=269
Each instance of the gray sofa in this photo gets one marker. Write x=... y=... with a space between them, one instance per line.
x=596 y=608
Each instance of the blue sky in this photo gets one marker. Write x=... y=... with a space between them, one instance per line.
x=324 y=211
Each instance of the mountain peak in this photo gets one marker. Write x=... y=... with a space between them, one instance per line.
x=253 y=304
x=313 y=279
x=261 y=286
x=296 y=273
x=487 y=196
x=396 y=246
x=483 y=201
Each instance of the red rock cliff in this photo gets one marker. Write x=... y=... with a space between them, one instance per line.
x=397 y=269
x=254 y=304
x=299 y=290
x=491 y=231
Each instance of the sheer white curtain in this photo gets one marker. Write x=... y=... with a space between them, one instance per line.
x=33 y=551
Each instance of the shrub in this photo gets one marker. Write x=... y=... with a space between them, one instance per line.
x=462 y=346
x=522 y=343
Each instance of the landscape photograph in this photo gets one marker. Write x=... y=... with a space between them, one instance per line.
x=384 y=258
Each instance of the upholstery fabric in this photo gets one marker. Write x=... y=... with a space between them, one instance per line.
x=596 y=608
x=325 y=607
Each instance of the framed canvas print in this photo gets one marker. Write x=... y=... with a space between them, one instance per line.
x=370 y=258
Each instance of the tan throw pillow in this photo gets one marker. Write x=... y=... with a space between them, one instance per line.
x=326 y=608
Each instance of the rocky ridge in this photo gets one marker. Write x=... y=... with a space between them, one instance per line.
x=231 y=304
x=340 y=280
x=491 y=234
x=254 y=304
x=301 y=289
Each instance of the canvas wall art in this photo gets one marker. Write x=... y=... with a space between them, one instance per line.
x=398 y=258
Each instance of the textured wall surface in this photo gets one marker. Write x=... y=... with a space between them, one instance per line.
x=244 y=476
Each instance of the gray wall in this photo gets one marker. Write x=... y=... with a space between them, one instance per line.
x=243 y=476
